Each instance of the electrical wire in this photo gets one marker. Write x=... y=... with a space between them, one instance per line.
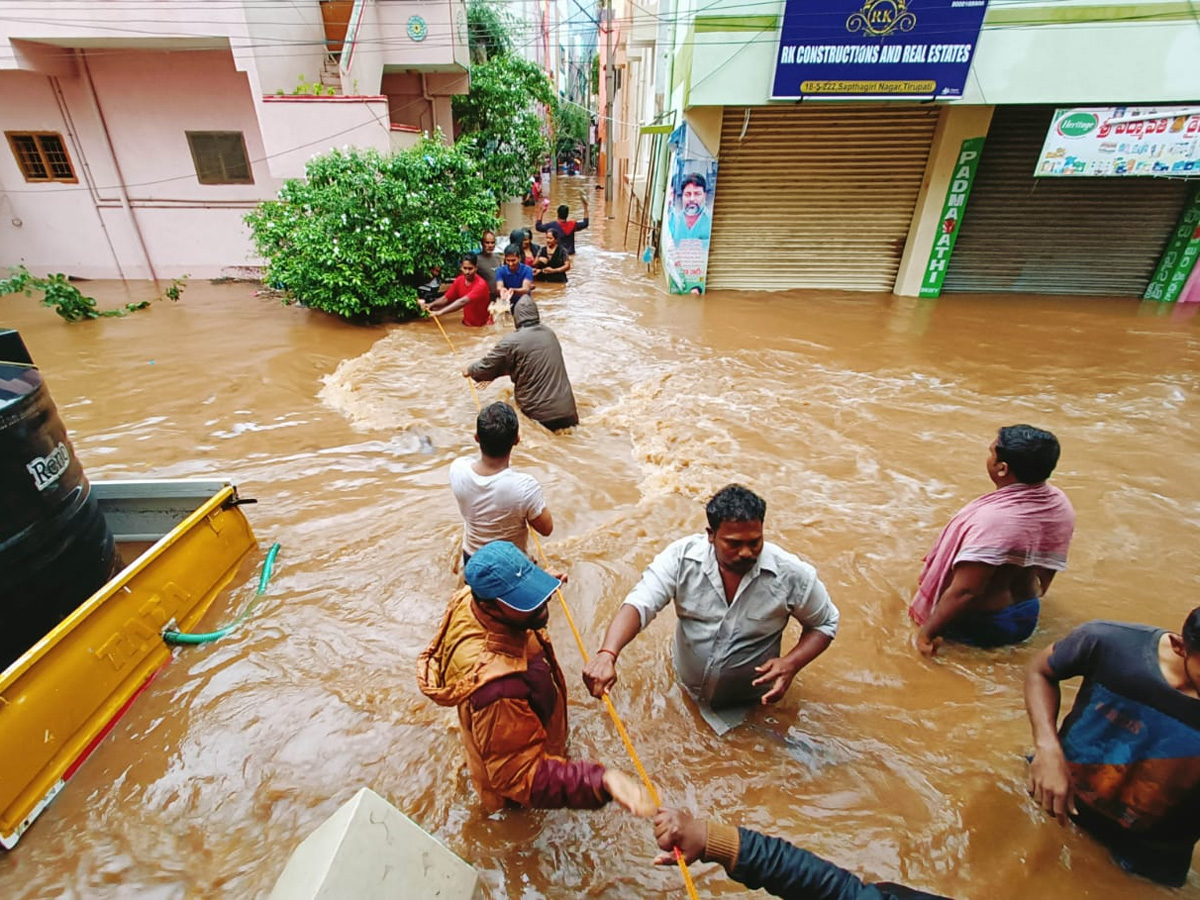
x=737 y=48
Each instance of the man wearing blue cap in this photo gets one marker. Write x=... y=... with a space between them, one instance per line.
x=493 y=660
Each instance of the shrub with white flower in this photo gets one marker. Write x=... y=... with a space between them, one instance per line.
x=363 y=229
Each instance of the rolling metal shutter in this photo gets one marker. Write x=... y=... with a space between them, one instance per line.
x=818 y=197
x=1100 y=236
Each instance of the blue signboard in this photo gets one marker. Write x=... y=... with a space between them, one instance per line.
x=843 y=49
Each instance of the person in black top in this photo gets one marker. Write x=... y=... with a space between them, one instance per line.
x=553 y=262
x=771 y=863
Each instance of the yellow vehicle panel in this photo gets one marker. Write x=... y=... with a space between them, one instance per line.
x=59 y=699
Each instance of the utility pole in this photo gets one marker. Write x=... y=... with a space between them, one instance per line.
x=610 y=80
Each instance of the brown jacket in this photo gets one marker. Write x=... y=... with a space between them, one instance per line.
x=511 y=699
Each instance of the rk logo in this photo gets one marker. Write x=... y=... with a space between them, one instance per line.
x=880 y=18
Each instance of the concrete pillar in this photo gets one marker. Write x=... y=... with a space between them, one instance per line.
x=369 y=850
x=955 y=125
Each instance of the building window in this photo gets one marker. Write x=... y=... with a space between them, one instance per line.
x=41 y=155
x=220 y=157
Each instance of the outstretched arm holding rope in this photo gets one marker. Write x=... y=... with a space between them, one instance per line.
x=601 y=673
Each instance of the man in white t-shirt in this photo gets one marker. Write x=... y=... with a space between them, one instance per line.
x=496 y=502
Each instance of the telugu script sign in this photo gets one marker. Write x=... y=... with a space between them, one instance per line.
x=1122 y=140
x=1183 y=249
x=838 y=49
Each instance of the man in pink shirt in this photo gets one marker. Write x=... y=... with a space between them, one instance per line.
x=986 y=573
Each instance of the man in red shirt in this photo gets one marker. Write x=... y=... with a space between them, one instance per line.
x=469 y=292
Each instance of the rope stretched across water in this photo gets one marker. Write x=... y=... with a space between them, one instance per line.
x=612 y=710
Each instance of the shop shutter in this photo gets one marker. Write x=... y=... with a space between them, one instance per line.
x=1100 y=236
x=816 y=196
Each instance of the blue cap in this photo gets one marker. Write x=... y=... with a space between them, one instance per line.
x=500 y=571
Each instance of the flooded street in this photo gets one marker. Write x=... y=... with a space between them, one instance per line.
x=863 y=419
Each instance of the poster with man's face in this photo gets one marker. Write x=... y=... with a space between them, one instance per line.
x=687 y=225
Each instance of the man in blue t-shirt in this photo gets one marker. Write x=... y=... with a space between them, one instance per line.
x=514 y=279
x=1125 y=766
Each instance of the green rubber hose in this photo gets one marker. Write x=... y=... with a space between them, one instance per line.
x=177 y=637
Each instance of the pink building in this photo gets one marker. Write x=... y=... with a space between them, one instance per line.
x=138 y=134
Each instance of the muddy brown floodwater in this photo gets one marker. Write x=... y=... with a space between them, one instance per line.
x=863 y=419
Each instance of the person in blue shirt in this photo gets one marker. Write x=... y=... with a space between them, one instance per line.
x=514 y=279
x=759 y=861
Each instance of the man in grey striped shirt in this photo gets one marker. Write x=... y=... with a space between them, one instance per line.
x=734 y=594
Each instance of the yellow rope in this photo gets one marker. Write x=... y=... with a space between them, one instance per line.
x=470 y=381
x=612 y=710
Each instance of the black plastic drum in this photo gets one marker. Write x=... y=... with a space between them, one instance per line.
x=56 y=548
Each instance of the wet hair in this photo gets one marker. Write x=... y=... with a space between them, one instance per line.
x=472 y=258
x=697 y=179
x=487 y=233
x=734 y=503
x=1191 y=631
x=496 y=426
x=513 y=250
x=1031 y=453
x=564 y=211
x=518 y=235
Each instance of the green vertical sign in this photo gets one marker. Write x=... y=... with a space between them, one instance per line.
x=1180 y=256
x=952 y=213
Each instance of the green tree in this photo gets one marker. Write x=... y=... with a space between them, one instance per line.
x=363 y=229
x=489 y=31
x=570 y=126
x=502 y=123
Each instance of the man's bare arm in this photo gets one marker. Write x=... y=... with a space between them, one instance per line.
x=1044 y=577
x=543 y=522
x=1049 y=778
x=600 y=673
x=969 y=585
x=780 y=672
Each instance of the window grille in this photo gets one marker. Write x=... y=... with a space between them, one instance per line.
x=41 y=156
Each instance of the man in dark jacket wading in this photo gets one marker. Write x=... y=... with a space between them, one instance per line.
x=533 y=358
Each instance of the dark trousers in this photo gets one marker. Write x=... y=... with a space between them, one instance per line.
x=560 y=424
